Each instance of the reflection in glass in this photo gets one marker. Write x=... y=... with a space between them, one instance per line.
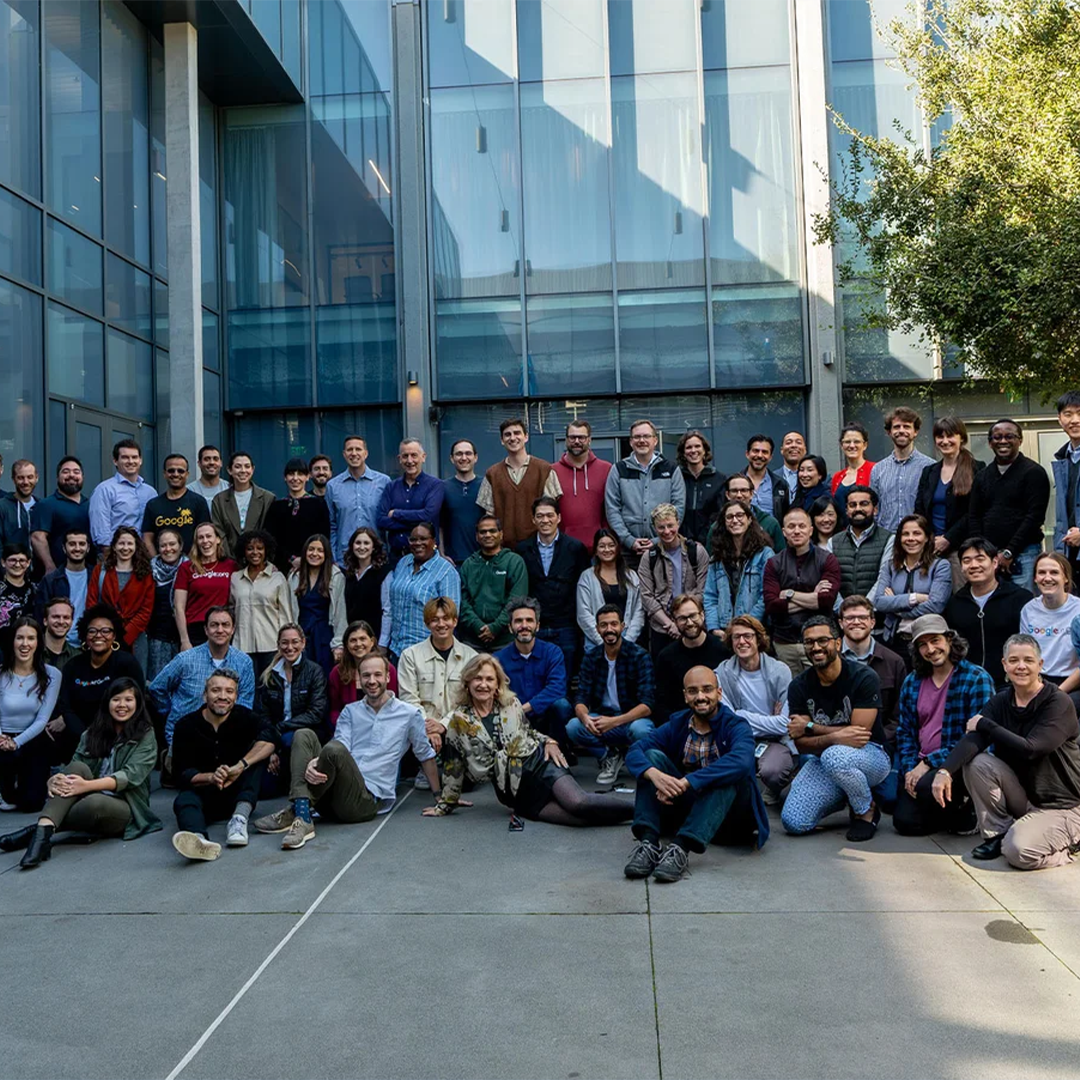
x=663 y=340
x=758 y=335
x=161 y=313
x=72 y=112
x=564 y=150
x=571 y=344
x=381 y=429
x=753 y=225
x=130 y=376
x=876 y=354
x=735 y=33
x=560 y=39
x=349 y=47
x=127 y=296
x=652 y=35
x=480 y=423
x=126 y=110
x=853 y=27
x=271 y=439
x=475 y=213
x=20 y=96
x=265 y=207
x=211 y=347
x=212 y=429
x=20 y=237
x=356 y=353
x=658 y=193
x=88 y=449
x=21 y=363
x=269 y=357
x=208 y=202
x=159 y=170
x=266 y=14
x=76 y=360
x=478 y=346
x=74 y=267
x=290 y=38
x=470 y=42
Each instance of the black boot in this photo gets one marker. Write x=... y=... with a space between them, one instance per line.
x=40 y=848
x=17 y=840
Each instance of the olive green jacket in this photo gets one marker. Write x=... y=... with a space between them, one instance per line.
x=132 y=765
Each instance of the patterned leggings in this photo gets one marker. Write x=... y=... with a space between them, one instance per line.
x=824 y=784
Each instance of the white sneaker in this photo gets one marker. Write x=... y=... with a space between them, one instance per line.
x=610 y=768
x=193 y=846
x=7 y=807
x=421 y=782
x=384 y=806
x=236 y=835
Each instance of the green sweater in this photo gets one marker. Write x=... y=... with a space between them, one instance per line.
x=131 y=768
x=486 y=585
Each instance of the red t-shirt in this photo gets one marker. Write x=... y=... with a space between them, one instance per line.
x=206 y=590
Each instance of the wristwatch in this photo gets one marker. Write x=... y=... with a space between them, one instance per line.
x=809 y=727
x=1006 y=554
x=789 y=593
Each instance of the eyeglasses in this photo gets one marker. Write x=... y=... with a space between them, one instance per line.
x=688 y=618
x=100 y=631
x=856 y=618
x=735 y=517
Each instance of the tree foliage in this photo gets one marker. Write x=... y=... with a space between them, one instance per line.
x=977 y=243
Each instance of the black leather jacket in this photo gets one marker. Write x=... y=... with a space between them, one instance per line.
x=309 y=699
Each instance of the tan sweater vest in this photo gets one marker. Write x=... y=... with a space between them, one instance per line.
x=513 y=502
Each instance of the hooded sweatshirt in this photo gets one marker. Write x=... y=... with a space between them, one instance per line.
x=582 y=503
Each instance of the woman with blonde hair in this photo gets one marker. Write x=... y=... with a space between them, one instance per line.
x=201 y=583
x=487 y=737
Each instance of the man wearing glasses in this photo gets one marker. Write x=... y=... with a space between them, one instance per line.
x=834 y=711
x=583 y=477
x=1008 y=504
x=695 y=648
x=740 y=488
x=178 y=507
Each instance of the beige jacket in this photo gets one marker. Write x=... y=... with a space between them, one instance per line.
x=338 y=618
x=262 y=608
x=427 y=680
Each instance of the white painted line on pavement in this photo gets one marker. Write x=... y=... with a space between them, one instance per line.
x=187 y=1058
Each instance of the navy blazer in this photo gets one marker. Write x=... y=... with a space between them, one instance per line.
x=736 y=762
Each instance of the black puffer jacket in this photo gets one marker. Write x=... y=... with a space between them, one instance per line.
x=310 y=702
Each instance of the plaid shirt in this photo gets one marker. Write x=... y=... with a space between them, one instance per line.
x=634 y=679
x=969 y=690
x=409 y=593
x=897 y=484
x=700 y=748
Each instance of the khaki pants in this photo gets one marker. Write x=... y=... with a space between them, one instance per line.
x=794 y=656
x=106 y=815
x=344 y=797
x=1034 y=839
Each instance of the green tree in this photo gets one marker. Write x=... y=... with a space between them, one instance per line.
x=976 y=244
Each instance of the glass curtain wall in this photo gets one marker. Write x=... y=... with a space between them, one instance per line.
x=77 y=243
x=613 y=197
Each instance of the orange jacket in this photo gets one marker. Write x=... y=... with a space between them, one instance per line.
x=135 y=603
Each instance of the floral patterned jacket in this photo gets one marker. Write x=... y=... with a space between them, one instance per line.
x=467 y=747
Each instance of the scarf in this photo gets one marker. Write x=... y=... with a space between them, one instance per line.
x=165 y=574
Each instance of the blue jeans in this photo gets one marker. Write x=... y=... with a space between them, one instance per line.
x=553 y=720
x=1025 y=576
x=566 y=637
x=695 y=817
x=617 y=738
x=841 y=775
x=159 y=653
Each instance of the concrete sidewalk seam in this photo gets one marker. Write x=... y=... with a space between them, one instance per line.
x=655 y=995
x=242 y=992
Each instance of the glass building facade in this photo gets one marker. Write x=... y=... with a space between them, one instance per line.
x=602 y=210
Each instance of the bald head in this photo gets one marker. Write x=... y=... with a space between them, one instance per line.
x=701 y=689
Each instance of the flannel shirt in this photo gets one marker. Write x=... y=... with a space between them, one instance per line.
x=969 y=690
x=699 y=749
x=634 y=679
x=409 y=593
x=178 y=688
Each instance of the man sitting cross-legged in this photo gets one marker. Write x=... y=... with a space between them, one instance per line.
x=354 y=776
x=834 y=710
x=695 y=775
x=217 y=761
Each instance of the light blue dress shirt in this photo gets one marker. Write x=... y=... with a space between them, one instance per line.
x=353 y=502
x=117 y=502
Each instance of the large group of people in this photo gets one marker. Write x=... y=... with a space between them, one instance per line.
x=887 y=637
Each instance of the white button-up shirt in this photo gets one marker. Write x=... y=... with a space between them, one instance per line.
x=378 y=740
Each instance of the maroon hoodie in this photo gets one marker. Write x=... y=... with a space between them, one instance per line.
x=582 y=503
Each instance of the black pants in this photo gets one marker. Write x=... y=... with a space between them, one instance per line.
x=196 y=807
x=922 y=816
x=24 y=773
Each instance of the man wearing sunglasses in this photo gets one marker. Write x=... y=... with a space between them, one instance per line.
x=178 y=507
x=1008 y=504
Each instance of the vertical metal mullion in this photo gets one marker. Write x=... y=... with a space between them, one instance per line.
x=611 y=200
x=102 y=208
x=429 y=200
x=43 y=147
x=309 y=218
x=706 y=203
x=800 y=201
x=521 y=206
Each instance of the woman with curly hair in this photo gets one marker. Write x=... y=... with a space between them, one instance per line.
x=735 y=582
x=367 y=582
x=317 y=595
x=488 y=737
x=259 y=595
x=344 y=683
x=124 y=581
x=105 y=788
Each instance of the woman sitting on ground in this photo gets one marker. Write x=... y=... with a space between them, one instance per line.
x=344 y=682
x=487 y=737
x=105 y=789
x=29 y=689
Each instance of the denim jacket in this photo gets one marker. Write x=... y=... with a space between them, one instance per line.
x=749 y=593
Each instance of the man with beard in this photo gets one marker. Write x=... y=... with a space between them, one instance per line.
x=695 y=777
x=70 y=580
x=322 y=472
x=218 y=753
x=896 y=477
x=857 y=623
x=536 y=670
x=833 y=709
x=863 y=546
x=16 y=508
x=771 y=492
x=695 y=648
x=61 y=637
x=615 y=698
x=66 y=509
